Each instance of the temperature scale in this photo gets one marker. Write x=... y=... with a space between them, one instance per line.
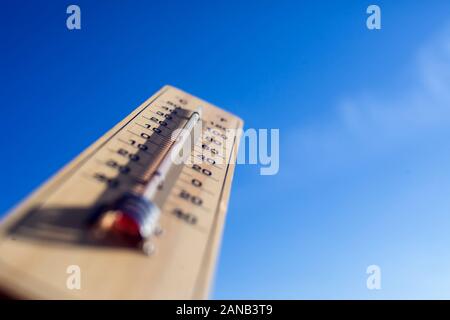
x=138 y=215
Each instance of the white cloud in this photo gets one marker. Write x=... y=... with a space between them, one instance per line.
x=422 y=105
x=367 y=125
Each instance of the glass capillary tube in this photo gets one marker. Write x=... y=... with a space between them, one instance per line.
x=162 y=170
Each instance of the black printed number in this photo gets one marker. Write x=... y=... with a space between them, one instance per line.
x=125 y=153
x=186 y=217
x=110 y=182
x=188 y=197
x=121 y=168
x=197 y=168
x=196 y=183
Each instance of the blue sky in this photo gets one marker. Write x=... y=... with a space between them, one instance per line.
x=364 y=119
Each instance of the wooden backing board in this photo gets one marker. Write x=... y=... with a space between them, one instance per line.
x=47 y=233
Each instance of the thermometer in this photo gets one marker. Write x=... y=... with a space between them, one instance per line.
x=138 y=215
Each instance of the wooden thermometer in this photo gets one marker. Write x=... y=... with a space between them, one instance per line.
x=137 y=215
